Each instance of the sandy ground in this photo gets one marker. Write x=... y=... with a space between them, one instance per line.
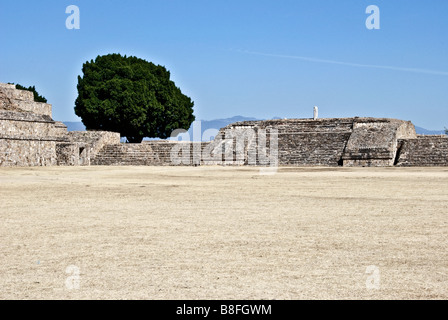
x=223 y=233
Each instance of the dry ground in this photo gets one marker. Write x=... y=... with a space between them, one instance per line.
x=223 y=233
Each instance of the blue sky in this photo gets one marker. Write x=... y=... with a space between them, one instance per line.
x=260 y=58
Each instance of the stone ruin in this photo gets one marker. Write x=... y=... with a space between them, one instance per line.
x=350 y=142
x=30 y=137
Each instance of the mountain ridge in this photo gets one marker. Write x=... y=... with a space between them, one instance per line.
x=221 y=123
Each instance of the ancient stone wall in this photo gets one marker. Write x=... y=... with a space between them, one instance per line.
x=30 y=137
x=95 y=140
x=323 y=142
x=23 y=100
x=73 y=154
x=27 y=152
x=151 y=153
x=59 y=129
x=373 y=142
x=319 y=142
x=312 y=149
x=299 y=142
x=22 y=128
x=423 y=151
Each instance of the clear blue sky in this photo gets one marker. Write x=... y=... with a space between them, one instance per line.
x=260 y=58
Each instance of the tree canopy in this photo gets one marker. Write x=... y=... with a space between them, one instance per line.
x=131 y=96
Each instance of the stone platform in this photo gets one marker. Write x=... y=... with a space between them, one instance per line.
x=30 y=137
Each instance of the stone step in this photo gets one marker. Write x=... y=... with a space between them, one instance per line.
x=7 y=86
x=23 y=95
x=38 y=108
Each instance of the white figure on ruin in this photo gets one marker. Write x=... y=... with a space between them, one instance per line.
x=316 y=111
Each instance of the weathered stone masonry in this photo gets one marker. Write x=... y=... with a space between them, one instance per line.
x=30 y=137
x=423 y=151
x=301 y=142
x=151 y=153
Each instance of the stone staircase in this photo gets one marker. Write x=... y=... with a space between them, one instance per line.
x=21 y=100
x=28 y=134
x=424 y=151
x=157 y=153
x=300 y=142
x=312 y=149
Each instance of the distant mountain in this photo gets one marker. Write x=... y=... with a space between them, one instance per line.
x=221 y=123
x=204 y=125
x=214 y=125
x=420 y=130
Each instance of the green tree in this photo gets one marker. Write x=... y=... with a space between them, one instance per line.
x=131 y=96
x=37 y=96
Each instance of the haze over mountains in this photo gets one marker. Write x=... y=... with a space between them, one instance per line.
x=420 y=130
x=204 y=125
x=220 y=123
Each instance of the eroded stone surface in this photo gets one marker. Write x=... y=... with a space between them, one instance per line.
x=30 y=137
